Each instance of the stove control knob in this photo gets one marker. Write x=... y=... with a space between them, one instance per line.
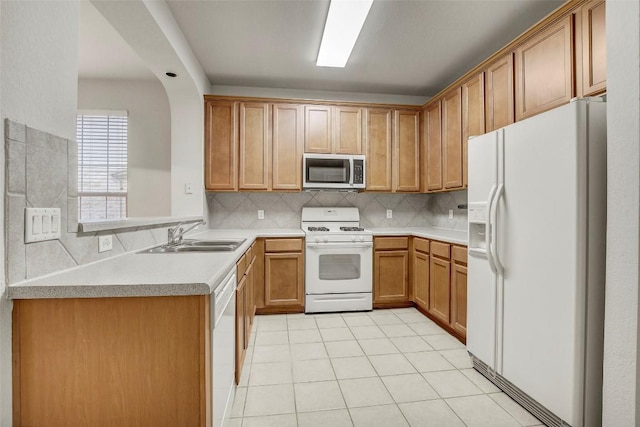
x=317 y=239
x=326 y=240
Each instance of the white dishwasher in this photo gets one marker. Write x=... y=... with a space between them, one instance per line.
x=223 y=311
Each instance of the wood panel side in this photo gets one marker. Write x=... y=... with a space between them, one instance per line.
x=112 y=361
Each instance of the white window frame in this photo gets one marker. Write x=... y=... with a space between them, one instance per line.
x=108 y=193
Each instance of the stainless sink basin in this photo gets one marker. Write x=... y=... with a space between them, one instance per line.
x=195 y=245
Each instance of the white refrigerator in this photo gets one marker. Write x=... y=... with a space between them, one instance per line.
x=536 y=267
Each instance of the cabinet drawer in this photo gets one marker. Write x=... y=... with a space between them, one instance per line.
x=241 y=267
x=391 y=243
x=421 y=245
x=440 y=249
x=283 y=245
x=459 y=254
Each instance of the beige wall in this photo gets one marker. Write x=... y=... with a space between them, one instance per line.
x=149 y=138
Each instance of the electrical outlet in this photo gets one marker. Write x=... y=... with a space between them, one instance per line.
x=105 y=243
x=260 y=214
x=450 y=213
x=389 y=213
x=188 y=188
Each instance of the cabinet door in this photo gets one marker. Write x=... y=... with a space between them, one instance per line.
x=544 y=70
x=347 y=137
x=439 y=289
x=284 y=279
x=452 y=138
x=378 y=149
x=499 y=108
x=255 y=147
x=406 y=153
x=391 y=274
x=433 y=146
x=317 y=129
x=594 y=48
x=421 y=279
x=221 y=146
x=472 y=116
x=240 y=326
x=459 y=299
x=288 y=128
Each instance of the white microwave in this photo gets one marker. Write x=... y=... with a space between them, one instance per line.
x=334 y=171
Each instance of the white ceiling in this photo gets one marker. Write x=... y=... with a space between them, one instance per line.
x=407 y=47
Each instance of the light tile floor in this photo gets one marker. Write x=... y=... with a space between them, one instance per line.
x=383 y=368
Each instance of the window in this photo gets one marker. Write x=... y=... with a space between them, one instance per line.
x=102 y=165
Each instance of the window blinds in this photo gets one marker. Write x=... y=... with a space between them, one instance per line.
x=102 y=165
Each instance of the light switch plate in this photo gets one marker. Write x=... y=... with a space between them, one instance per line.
x=41 y=224
x=260 y=214
x=450 y=213
x=389 y=213
x=188 y=188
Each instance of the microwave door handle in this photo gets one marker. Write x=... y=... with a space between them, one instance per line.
x=349 y=172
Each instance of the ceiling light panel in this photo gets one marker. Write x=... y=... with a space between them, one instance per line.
x=344 y=23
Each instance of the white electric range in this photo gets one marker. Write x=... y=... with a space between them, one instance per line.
x=338 y=260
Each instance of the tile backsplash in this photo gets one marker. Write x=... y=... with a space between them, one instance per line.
x=41 y=172
x=282 y=210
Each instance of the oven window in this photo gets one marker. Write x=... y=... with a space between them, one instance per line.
x=339 y=267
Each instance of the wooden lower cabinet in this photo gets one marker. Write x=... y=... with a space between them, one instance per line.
x=284 y=279
x=420 y=273
x=135 y=361
x=459 y=299
x=391 y=272
x=439 y=288
x=283 y=275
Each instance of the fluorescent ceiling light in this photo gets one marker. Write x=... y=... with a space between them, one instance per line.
x=344 y=23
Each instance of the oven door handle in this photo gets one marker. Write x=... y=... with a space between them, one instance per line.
x=345 y=245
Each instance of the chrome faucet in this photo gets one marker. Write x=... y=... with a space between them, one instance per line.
x=176 y=233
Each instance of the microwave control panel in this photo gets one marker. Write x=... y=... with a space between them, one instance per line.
x=358 y=171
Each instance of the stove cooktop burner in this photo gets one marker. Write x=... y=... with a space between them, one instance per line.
x=351 y=228
x=318 y=229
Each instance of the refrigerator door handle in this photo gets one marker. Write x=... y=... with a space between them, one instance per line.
x=489 y=232
x=493 y=213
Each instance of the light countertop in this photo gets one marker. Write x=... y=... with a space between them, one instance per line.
x=134 y=274
x=187 y=273
x=458 y=237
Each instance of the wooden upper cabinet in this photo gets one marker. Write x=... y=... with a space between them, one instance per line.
x=594 y=48
x=255 y=146
x=347 y=137
x=221 y=146
x=288 y=137
x=544 y=70
x=472 y=116
x=433 y=146
x=378 y=142
x=406 y=152
x=499 y=109
x=317 y=129
x=452 y=139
